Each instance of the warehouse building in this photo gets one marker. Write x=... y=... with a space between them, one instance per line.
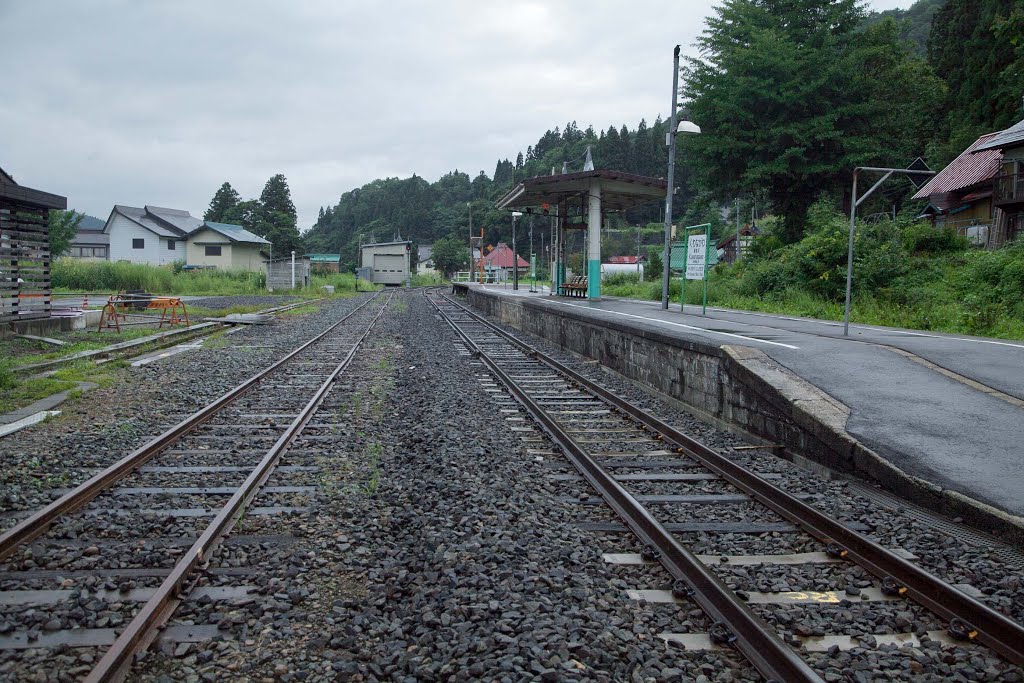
x=389 y=262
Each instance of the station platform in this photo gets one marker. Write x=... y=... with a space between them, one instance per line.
x=945 y=409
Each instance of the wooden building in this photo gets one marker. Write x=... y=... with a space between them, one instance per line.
x=25 y=288
x=727 y=246
x=960 y=195
x=1008 y=184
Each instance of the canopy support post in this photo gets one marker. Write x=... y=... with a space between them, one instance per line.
x=594 y=241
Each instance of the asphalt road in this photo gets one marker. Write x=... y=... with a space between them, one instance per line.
x=934 y=427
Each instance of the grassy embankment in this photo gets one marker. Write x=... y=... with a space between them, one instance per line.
x=71 y=275
x=905 y=275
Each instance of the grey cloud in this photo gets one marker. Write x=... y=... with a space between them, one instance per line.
x=159 y=102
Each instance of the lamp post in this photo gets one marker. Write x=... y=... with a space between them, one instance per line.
x=515 y=254
x=670 y=140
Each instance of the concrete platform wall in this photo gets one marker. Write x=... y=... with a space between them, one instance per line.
x=739 y=388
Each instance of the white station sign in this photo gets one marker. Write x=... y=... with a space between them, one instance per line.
x=696 y=256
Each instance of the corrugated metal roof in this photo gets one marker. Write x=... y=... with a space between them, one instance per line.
x=970 y=168
x=235 y=233
x=624 y=259
x=1011 y=137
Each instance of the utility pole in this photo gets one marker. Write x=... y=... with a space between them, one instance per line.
x=470 y=205
x=737 y=229
x=671 y=178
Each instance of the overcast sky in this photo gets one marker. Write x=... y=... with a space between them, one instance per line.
x=159 y=102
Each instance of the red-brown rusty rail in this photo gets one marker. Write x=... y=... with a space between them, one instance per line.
x=994 y=630
x=31 y=527
x=144 y=628
x=756 y=640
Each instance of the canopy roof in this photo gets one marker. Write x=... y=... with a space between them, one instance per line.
x=619 y=191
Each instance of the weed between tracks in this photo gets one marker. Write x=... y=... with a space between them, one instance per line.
x=17 y=392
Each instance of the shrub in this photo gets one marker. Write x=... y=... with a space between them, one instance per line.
x=922 y=238
x=621 y=279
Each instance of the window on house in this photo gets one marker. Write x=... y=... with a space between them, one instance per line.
x=213 y=250
x=138 y=243
x=170 y=245
x=76 y=251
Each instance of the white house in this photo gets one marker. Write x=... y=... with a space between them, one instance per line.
x=152 y=234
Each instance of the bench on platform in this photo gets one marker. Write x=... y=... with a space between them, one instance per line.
x=577 y=286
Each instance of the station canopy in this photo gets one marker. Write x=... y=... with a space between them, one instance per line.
x=619 y=191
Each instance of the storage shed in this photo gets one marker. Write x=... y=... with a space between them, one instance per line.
x=390 y=262
x=282 y=273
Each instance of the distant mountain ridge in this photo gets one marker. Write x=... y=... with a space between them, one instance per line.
x=91 y=223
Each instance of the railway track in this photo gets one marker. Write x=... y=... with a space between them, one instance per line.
x=141 y=533
x=663 y=486
x=159 y=340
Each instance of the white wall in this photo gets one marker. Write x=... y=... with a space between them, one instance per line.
x=122 y=231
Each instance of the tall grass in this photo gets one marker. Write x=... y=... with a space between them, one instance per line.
x=112 y=276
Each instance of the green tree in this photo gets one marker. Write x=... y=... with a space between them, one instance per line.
x=277 y=197
x=279 y=224
x=248 y=214
x=791 y=96
x=984 y=89
x=223 y=201
x=63 y=227
x=450 y=254
x=655 y=264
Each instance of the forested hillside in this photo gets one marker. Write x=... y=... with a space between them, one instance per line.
x=790 y=96
x=914 y=23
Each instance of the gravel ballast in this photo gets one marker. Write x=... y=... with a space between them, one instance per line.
x=436 y=545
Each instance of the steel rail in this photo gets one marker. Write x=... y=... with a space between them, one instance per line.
x=136 y=347
x=992 y=629
x=144 y=628
x=756 y=640
x=31 y=527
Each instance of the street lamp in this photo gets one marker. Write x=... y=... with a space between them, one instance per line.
x=515 y=254
x=683 y=127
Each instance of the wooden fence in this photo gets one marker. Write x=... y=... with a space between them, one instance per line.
x=25 y=288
